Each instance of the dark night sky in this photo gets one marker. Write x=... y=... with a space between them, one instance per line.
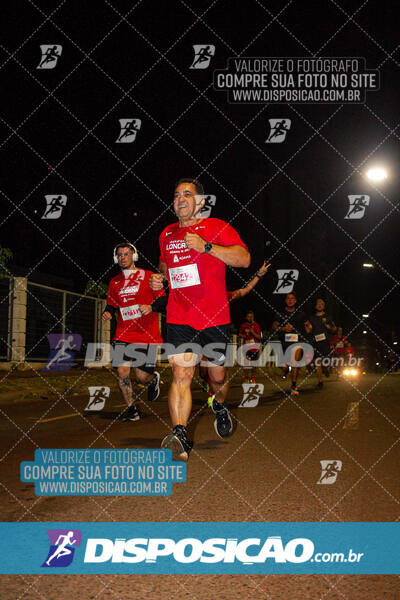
x=124 y=191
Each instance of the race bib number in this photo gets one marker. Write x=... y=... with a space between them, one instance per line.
x=250 y=341
x=130 y=312
x=184 y=276
x=320 y=337
x=339 y=345
x=291 y=337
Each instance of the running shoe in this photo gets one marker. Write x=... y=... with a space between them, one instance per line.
x=131 y=414
x=294 y=391
x=223 y=423
x=177 y=443
x=153 y=388
x=209 y=400
x=285 y=373
x=320 y=385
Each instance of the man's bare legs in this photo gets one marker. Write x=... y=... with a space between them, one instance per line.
x=125 y=385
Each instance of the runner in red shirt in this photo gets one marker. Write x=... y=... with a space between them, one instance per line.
x=250 y=333
x=341 y=348
x=130 y=295
x=194 y=254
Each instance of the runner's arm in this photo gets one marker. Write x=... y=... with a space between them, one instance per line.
x=241 y=292
x=156 y=281
x=233 y=256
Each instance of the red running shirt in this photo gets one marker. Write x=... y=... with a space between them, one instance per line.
x=248 y=337
x=197 y=286
x=126 y=293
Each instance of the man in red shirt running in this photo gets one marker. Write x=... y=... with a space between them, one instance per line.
x=129 y=295
x=250 y=333
x=194 y=253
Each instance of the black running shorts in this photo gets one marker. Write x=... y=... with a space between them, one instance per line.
x=139 y=356
x=210 y=342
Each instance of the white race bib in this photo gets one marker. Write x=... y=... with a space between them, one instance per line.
x=130 y=312
x=184 y=276
x=320 y=337
x=291 y=337
x=339 y=345
x=250 y=341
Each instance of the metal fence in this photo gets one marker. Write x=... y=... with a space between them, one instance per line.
x=51 y=310
x=6 y=290
x=31 y=311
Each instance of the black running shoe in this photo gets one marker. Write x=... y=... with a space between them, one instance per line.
x=177 y=443
x=223 y=423
x=131 y=414
x=320 y=385
x=153 y=388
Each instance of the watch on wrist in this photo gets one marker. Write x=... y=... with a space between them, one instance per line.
x=207 y=247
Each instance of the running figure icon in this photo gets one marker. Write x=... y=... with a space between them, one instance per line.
x=50 y=56
x=62 y=549
x=287 y=279
x=330 y=470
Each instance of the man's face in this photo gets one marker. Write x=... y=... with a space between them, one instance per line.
x=290 y=300
x=320 y=305
x=186 y=201
x=250 y=317
x=125 y=257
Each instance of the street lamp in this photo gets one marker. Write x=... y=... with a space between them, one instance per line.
x=365 y=316
x=368 y=265
x=377 y=174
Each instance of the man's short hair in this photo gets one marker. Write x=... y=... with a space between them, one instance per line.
x=124 y=245
x=197 y=185
x=249 y=312
x=291 y=294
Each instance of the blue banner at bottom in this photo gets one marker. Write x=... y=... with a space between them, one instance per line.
x=200 y=548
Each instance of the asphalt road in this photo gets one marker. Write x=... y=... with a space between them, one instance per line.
x=267 y=471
